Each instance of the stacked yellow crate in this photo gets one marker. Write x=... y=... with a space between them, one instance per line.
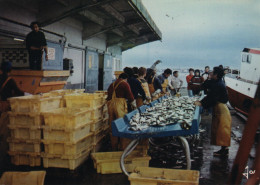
x=25 y=127
x=101 y=125
x=97 y=103
x=67 y=137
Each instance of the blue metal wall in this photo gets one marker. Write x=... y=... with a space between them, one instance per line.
x=108 y=71
x=92 y=62
x=57 y=63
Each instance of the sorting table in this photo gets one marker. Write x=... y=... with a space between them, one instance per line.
x=120 y=128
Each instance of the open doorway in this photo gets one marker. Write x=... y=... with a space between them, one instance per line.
x=101 y=72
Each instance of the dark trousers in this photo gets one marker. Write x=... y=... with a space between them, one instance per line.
x=35 y=61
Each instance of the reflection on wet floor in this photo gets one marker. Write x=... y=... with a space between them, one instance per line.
x=213 y=170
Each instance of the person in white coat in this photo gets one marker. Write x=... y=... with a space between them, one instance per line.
x=175 y=83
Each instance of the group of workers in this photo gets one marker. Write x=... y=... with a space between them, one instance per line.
x=136 y=87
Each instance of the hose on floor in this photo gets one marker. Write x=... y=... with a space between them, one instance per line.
x=126 y=152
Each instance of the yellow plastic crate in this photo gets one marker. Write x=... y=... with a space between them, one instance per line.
x=155 y=176
x=25 y=158
x=100 y=134
x=102 y=92
x=24 y=145
x=35 y=103
x=62 y=92
x=66 y=135
x=97 y=113
x=109 y=162
x=63 y=161
x=84 y=100
x=117 y=73
x=105 y=115
x=104 y=95
x=67 y=118
x=68 y=148
x=23 y=178
x=142 y=147
x=25 y=119
x=24 y=132
x=98 y=124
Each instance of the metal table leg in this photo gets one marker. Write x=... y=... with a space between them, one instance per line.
x=126 y=152
x=187 y=151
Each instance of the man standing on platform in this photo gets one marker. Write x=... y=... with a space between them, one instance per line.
x=35 y=44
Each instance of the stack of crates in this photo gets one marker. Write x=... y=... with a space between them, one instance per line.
x=99 y=116
x=25 y=126
x=67 y=137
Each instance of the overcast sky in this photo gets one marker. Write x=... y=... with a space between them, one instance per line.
x=196 y=33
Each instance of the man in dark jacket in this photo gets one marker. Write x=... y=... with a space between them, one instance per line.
x=135 y=85
x=35 y=44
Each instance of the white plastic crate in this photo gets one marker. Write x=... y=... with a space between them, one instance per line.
x=22 y=145
x=24 y=132
x=62 y=161
x=66 y=135
x=25 y=119
x=68 y=148
x=25 y=158
x=67 y=118
x=35 y=103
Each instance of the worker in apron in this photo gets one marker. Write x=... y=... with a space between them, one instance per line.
x=154 y=84
x=118 y=92
x=140 y=101
x=217 y=98
x=135 y=85
x=164 y=81
x=8 y=87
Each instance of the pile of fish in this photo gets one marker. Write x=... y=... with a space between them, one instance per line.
x=172 y=110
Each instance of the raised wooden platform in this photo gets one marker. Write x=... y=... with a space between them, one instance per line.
x=35 y=82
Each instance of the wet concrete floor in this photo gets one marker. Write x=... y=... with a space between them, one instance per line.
x=213 y=170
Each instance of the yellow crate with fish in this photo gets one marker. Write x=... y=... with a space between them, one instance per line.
x=35 y=103
x=67 y=118
x=155 y=176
